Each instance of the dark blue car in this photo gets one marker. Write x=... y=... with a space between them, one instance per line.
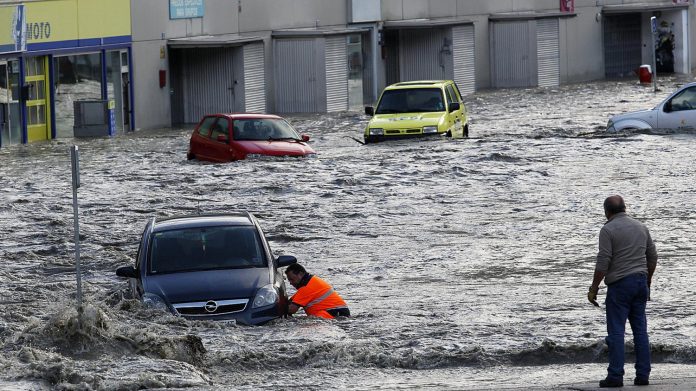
x=217 y=267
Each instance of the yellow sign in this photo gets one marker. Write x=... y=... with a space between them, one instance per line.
x=67 y=20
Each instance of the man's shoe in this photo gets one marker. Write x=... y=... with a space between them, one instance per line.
x=608 y=383
x=641 y=381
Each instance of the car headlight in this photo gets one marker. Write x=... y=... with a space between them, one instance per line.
x=429 y=129
x=376 y=132
x=265 y=296
x=151 y=300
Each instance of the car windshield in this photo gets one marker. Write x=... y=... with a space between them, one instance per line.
x=264 y=129
x=206 y=248
x=412 y=100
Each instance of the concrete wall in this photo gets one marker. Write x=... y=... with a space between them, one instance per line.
x=581 y=44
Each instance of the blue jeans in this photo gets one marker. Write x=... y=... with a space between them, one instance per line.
x=626 y=299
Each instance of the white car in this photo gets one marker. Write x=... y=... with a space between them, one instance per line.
x=677 y=112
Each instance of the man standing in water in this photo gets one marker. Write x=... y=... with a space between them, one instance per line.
x=314 y=294
x=626 y=262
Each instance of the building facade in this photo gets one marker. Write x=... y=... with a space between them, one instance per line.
x=163 y=63
x=55 y=55
x=334 y=55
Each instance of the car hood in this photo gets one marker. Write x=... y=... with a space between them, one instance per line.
x=401 y=120
x=643 y=115
x=208 y=285
x=276 y=147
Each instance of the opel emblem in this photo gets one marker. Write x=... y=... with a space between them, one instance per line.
x=211 y=306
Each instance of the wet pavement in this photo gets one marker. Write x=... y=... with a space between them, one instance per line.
x=464 y=262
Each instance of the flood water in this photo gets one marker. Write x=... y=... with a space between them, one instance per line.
x=465 y=263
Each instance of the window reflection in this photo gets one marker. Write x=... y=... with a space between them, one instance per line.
x=76 y=77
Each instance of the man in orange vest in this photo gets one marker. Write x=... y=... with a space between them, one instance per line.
x=314 y=294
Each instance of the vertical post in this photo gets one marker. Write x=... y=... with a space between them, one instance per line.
x=75 y=166
x=653 y=28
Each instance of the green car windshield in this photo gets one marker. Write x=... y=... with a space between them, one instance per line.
x=206 y=248
x=412 y=100
x=264 y=129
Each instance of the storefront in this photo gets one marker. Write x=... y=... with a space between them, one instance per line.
x=59 y=54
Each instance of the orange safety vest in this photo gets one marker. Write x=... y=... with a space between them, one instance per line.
x=318 y=296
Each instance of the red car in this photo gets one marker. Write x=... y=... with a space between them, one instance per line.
x=228 y=137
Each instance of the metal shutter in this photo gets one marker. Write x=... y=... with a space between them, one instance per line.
x=510 y=53
x=622 y=44
x=208 y=83
x=254 y=80
x=547 y=53
x=464 y=56
x=296 y=75
x=336 y=74
x=422 y=55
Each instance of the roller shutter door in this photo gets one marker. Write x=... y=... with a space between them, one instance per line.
x=423 y=55
x=254 y=80
x=464 y=56
x=548 y=68
x=513 y=55
x=336 y=74
x=622 y=44
x=297 y=67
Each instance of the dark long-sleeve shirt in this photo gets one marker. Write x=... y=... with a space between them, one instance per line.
x=625 y=247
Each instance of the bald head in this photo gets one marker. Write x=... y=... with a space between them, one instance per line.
x=613 y=205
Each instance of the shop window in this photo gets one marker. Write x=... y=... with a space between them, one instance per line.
x=76 y=78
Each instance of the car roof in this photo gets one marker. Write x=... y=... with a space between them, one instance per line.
x=234 y=116
x=418 y=84
x=203 y=220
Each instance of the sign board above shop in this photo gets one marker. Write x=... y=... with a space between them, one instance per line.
x=13 y=39
x=183 y=9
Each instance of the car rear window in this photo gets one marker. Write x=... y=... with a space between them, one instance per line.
x=412 y=100
x=207 y=248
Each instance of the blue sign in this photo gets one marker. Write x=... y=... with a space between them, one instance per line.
x=182 y=9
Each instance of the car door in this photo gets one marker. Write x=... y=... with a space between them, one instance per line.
x=220 y=141
x=679 y=112
x=200 y=139
x=455 y=117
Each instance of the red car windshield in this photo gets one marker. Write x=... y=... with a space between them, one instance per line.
x=193 y=249
x=264 y=129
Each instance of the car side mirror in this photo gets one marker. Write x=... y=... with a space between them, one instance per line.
x=454 y=106
x=222 y=138
x=304 y=137
x=127 y=271
x=369 y=110
x=285 y=260
x=668 y=107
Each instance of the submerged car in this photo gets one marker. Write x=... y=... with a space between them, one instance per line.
x=676 y=112
x=416 y=109
x=229 y=137
x=211 y=267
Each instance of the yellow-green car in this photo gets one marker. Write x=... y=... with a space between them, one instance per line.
x=416 y=109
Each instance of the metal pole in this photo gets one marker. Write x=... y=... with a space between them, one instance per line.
x=75 y=165
x=653 y=28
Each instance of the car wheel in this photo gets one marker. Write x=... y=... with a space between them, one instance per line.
x=190 y=156
x=466 y=131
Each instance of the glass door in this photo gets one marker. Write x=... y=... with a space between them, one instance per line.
x=37 y=109
x=10 y=129
x=355 y=72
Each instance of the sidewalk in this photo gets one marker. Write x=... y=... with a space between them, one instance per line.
x=684 y=384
